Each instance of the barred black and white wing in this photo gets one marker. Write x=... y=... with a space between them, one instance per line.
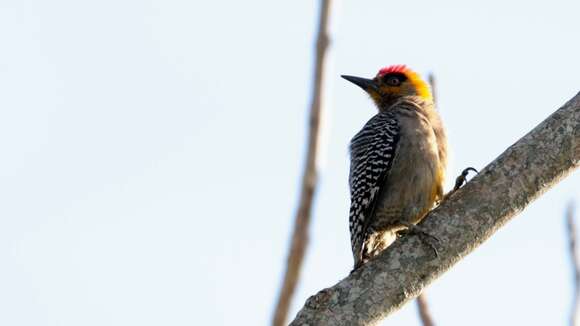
x=372 y=152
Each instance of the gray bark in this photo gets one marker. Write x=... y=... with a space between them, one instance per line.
x=469 y=217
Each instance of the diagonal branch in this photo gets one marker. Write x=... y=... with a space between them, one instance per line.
x=300 y=234
x=469 y=217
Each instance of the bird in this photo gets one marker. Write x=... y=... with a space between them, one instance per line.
x=398 y=161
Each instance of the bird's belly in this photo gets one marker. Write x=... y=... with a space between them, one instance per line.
x=414 y=185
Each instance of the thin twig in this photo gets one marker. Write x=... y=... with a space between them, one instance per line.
x=433 y=85
x=424 y=313
x=571 y=228
x=462 y=222
x=299 y=240
x=422 y=303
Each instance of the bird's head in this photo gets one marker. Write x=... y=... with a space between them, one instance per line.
x=392 y=83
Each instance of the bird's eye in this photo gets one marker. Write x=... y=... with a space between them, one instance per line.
x=393 y=81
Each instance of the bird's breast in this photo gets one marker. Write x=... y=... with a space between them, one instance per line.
x=415 y=181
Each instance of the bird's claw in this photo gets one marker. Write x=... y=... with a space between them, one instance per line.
x=462 y=178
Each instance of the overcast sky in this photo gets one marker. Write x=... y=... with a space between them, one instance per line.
x=151 y=153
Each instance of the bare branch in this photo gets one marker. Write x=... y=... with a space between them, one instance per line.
x=424 y=313
x=470 y=216
x=571 y=228
x=433 y=85
x=309 y=179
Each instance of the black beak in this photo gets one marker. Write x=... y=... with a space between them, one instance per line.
x=366 y=84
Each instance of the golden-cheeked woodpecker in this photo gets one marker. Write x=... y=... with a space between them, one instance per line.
x=398 y=161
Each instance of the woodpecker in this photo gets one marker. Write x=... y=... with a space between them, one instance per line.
x=398 y=161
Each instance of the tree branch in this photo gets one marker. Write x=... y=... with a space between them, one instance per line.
x=309 y=179
x=470 y=216
x=571 y=228
x=433 y=84
x=423 y=308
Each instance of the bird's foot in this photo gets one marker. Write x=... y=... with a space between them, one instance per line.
x=462 y=178
x=427 y=238
x=460 y=181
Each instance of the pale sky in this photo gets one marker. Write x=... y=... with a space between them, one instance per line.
x=152 y=152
